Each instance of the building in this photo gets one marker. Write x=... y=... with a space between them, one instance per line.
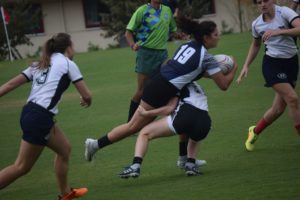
x=83 y=20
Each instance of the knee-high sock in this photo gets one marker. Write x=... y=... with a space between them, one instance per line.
x=132 y=108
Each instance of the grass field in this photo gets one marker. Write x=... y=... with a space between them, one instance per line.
x=270 y=172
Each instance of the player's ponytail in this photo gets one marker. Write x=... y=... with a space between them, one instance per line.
x=57 y=44
x=198 y=30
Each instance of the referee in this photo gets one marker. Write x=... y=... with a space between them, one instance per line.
x=147 y=33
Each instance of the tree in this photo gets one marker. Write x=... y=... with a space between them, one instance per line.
x=194 y=8
x=22 y=19
x=121 y=12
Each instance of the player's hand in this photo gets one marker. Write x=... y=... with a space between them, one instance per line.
x=142 y=111
x=84 y=102
x=135 y=47
x=270 y=33
x=243 y=74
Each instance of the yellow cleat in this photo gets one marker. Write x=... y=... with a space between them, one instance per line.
x=252 y=137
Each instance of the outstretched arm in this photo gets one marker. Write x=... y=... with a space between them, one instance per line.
x=164 y=110
x=12 y=84
x=85 y=94
x=252 y=53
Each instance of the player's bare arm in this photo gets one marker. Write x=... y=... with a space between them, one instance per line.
x=12 y=84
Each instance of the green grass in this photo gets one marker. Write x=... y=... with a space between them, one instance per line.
x=270 y=172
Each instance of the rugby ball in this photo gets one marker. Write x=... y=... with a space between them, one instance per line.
x=226 y=62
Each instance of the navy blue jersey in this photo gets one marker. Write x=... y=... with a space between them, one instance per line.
x=190 y=62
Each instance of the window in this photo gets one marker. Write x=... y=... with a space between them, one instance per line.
x=96 y=13
x=209 y=7
x=27 y=17
x=34 y=11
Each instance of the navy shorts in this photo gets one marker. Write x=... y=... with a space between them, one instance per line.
x=280 y=70
x=158 y=91
x=36 y=123
x=191 y=121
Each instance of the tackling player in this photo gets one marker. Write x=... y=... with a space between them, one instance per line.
x=190 y=62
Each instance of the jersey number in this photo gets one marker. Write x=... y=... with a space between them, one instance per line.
x=42 y=78
x=184 y=54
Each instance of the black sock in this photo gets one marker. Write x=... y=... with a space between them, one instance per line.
x=132 y=108
x=191 y=160
x=183 y=148
x=104 y=141
x=137 y=160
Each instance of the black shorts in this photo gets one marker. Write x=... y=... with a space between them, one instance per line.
x=280 y=70
x=36 y=123
x=191 y=121
x=158 y=91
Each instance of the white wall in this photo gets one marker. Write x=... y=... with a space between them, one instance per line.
x=65 y=16
x=227 y=11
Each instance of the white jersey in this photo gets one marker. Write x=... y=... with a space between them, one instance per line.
x=194 y=95
x=48 y=85
x=278 y=46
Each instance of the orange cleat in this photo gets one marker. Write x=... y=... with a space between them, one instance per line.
x=74 y=193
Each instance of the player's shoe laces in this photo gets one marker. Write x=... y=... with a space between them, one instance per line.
x=90 y=149
x=182 y=160
x=130 y=172
x=74 y=193
x=192 y=170
x=252 y=137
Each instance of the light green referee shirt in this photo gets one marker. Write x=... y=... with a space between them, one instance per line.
x=152 y=27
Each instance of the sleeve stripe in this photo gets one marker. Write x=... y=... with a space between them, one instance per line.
x=28 y=79
x=77 y=80
x=293 y=20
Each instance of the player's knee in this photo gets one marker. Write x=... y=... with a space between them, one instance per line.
x=292 y=99
x=65 y=153
x=133 y=129
x=146 y=134
x=22 y=168
x=278 y=110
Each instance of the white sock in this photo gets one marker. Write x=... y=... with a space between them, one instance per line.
x=183 y=158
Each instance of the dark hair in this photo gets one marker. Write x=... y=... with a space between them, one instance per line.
x=57 y=44
x=198 y=30
x=254 y=1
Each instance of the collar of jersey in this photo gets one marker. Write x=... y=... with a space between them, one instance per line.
x=157 y=12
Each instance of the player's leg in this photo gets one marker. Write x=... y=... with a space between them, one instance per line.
x=191 y=169
x=269 y=117
x=288 y=93
x=182 y=158
x=61 y=146
x=134 y=104
x=156 y=129
x=118 y=133
x=183 y=143
x=28 y=155
x=196 y=123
